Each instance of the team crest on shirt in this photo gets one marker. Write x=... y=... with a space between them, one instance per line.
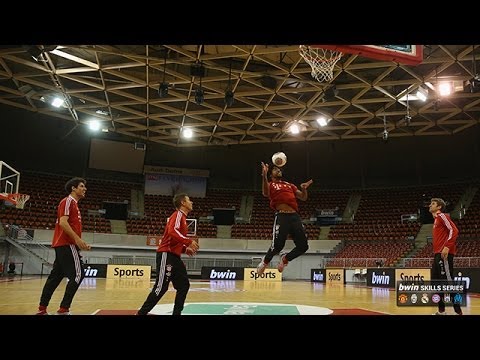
x=169 y=267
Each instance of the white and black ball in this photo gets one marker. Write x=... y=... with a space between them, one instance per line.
x=279 y=159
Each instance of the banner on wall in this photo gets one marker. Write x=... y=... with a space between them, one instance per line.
x=318 y=275
x=150 y=169
x=250 y=274
x=170 y=184
x=129 y=272
x=412 y=274
x=335 y=276
x=95 y=270
x=381 y=277
x=471 y=276
x=328 y=216
x=153 y=240
x=222 y=273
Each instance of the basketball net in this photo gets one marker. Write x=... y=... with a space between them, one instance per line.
x=18 y=199
x=321 y=60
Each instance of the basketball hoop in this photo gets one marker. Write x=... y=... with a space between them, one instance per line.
x=18 y=200
x=321 y=60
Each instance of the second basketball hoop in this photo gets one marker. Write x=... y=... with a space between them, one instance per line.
x=321 y=60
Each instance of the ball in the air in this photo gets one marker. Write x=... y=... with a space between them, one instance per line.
x=279 y=159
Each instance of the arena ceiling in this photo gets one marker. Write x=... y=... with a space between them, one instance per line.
x=272 y=87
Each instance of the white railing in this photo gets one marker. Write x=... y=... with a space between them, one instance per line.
x=355 y=262
x=21 y=236
x=427 y=262
x=458 y=262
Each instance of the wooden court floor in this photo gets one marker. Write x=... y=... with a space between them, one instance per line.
x=20 y=296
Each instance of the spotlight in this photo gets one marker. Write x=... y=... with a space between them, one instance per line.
x=229 y=98
x=57 y=102
x=199 y=96
x=322 y=121
x=197 y=70
x=163 y=89
x=385 y=135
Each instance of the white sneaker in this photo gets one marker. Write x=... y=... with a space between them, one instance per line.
x=261 y=267
x=63 y=313
x=440 y=313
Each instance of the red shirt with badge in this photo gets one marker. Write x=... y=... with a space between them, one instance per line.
x=282 y=192
x=67 y=207
x=175 y=235
x=445 y=234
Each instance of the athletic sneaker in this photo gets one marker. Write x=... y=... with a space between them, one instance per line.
x=42 y=312
x=261 y=267
x=283 y=262
x=440 y=313
x=63 y=311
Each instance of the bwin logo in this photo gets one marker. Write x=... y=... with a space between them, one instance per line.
x=380 y=279
x=463 y=278
x=318 y=277
x=223 y=274
x=91 y=272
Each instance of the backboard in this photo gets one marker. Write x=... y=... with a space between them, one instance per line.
x=403 y=54
x=9 y=179
x=9 y=184
x=192 y=227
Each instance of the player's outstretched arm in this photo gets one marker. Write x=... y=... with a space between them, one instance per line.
x=303 y=194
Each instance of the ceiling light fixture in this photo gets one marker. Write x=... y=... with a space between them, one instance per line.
x=385 y=131
x=322 y=121
x=163 y=88
x=199 y=94
x=187 y=133
x=422 y=93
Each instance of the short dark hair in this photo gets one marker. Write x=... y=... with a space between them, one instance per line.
x=74 y=182
x=270 y=169
x=177 y=200
x=440 y=202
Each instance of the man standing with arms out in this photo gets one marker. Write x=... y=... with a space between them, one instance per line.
x=67 y=243
x=445 y=235
x=283 y=199
x=170 y=266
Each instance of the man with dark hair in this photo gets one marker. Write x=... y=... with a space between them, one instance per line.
x=445 y=235
x=283 y=199
x=67 y=243
x=170 y=266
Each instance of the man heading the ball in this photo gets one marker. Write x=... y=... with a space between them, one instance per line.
x=283 y=199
